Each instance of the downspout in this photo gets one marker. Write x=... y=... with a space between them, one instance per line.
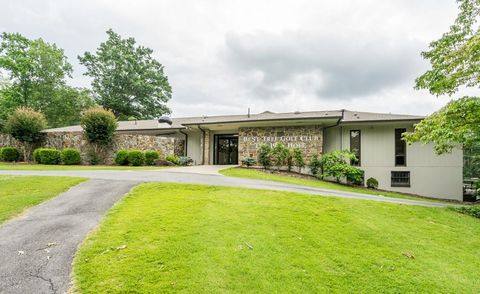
x=203 y=144
x=186 y=142
x=336 y=124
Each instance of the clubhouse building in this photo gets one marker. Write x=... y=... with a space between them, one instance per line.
x=374 y=137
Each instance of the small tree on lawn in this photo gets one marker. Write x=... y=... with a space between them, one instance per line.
x=264 y=155
x=99 y=126
x=315 y=164
x=26 y=125
x=279 y=154
x=337 y=164
x=298 y=160
x=289 y=159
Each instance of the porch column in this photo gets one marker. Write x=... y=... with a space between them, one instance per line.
x=205 y=146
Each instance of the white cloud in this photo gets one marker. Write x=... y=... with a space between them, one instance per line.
x=225 y=56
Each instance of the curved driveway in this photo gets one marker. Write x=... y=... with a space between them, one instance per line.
x=174 y=176
x=37 y=249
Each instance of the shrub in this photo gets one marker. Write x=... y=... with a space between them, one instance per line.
x=173 y=159
x=185 y=160
x=49 y=156
x=264 y=155
x=93 y=157
x=289 y=159
x=36 y=155
x=71 y=156
x=99 y=126
x=473 y=210
x=250 y=161
x=372 y=183
x=336 y=164
x=25 y=125
x=9 y=154
x=136 y=157
x=121 y=158
x=315 y=164
x=279 y=155
x=298 y=160
x=151 y=156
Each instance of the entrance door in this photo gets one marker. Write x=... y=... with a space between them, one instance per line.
x=226 y=149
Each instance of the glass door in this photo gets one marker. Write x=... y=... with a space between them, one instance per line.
x=226 y=149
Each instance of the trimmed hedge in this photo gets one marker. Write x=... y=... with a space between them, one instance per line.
x=71 y=156
x=47 y=156
x=151 y=156
x=121 y=158
x=372 y=183
x=136 y=157
x=36 y=155
x=9 y=154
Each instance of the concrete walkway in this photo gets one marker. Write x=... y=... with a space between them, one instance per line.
x=198 y=169
x=37 y=249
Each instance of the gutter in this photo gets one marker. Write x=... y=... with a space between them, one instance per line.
x=186 y=141
x=203 y=145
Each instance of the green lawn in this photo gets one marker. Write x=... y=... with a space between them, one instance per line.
x=205 y=239
x=260 y=175
x=18 y=193
x=28 y=166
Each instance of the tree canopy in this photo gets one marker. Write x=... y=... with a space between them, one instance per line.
x=455 y=63
x=455 y=57
x=127 y=79
x=35 y=77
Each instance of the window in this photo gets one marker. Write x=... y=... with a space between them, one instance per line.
x=400 y=179
x=355 y=146
x=400 y=148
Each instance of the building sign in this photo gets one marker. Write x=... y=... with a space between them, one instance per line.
x=308 y=138
x=289 y=141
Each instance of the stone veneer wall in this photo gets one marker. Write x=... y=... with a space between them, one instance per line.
x=307 y=138
x=164 y=145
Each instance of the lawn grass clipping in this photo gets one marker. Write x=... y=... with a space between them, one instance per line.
x=205 y=239
x=18 y=193
x=241 y=172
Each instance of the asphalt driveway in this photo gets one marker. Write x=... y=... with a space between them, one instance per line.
x=37 y=249
x=194 y=177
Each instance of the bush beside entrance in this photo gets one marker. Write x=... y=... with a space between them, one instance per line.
x=336 y=164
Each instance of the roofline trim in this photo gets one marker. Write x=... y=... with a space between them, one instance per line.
x=382 y=120
x=117 y=130
x=257 y=120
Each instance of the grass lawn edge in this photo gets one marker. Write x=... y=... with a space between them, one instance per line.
x=259 y=174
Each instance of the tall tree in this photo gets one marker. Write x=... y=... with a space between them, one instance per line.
x=34 y=66
x=127 y=79
x=455 y=61
x=35 y=77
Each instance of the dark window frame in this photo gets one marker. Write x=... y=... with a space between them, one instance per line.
x=397 y=176
x=399 y=131
x=358 y=162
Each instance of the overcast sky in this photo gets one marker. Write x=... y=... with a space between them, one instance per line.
x=222 y=57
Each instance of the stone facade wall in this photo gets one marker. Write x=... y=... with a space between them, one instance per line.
x=164 y=145
x=179 y=147
x=205 y=147
x=307 y=138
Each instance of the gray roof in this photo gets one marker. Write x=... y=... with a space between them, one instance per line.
x=180 y=123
